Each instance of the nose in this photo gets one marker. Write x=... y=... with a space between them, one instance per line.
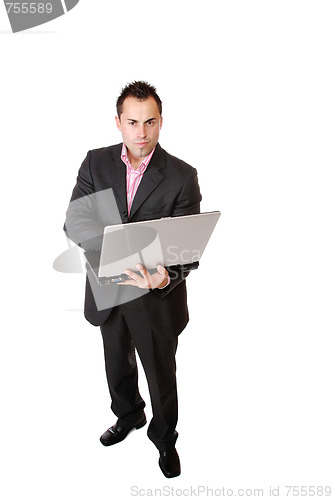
x=142 y=131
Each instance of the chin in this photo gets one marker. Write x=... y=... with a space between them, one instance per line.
x=144 y=151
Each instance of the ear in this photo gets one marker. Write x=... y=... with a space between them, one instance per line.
x=118 y=123
x=161 y=122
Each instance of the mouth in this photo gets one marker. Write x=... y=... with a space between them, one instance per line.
x=141 y=144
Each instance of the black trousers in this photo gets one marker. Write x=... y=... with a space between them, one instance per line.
x=125 y=331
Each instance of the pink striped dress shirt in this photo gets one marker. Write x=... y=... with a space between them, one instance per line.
x=133 y=179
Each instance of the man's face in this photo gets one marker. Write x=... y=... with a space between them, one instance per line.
x=140 y=124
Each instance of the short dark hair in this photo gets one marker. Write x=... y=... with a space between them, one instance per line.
x=139 y=90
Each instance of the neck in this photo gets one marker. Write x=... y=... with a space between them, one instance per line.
x=134 y=160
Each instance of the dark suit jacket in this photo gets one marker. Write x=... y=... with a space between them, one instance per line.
x=169 y=187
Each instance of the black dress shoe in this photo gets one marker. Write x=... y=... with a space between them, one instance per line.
x=169 y=463
x=116 y=434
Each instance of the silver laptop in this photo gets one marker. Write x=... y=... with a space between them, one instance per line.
x=168 y=241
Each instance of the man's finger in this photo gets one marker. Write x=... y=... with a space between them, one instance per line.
x=145 y=274
x=162 y=270
x=134 y=276
x=143 y=271
x=127 y=282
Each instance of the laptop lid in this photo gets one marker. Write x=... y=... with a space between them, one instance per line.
x=168 y=241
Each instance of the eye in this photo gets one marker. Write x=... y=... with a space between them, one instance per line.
x=150 y=123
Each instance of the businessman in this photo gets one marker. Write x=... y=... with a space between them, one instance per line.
x=146 y=312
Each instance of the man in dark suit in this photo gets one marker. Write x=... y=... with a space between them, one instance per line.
x=147 y=311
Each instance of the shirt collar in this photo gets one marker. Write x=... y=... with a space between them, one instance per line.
x=143 y=165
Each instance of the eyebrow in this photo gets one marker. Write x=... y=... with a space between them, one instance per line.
x=132 y=120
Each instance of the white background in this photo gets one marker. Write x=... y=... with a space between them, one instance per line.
x=247 y=94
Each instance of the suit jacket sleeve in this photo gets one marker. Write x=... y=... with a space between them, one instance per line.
x=188 y=203
x=81 y=225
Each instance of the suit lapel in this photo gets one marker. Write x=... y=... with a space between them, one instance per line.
x=117 y=173
x=150 y=180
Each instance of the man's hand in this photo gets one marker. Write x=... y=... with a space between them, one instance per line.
x=156 y=280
